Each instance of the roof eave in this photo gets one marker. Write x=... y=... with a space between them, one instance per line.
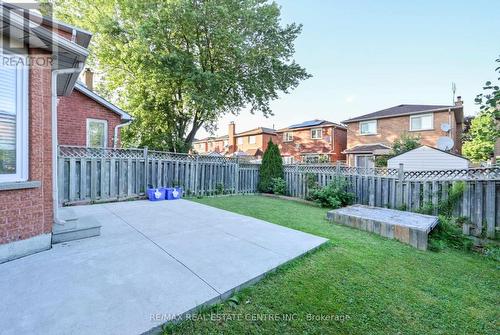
x=124 y=116
x=361 y=118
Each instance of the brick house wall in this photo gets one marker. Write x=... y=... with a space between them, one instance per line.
x=389 y=129
x=261 y=142
x=72 y=114
x=302 y=143
x=25 y=213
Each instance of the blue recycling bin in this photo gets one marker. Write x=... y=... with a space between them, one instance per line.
x=156 y=194
x=174 y=193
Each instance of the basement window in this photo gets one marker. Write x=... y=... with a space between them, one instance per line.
x=14 y=121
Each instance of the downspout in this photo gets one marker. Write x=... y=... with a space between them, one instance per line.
x=117 y=127
x=55 y=188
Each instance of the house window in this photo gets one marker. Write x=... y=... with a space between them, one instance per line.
x=364 y=161
x=226 y=143
x=240 y=140
x=14 y=121
x=287 y=159
x=421 y=122
x=251 y=140
x=316 y=133
x=368 y=127
x=97 y=133
x=311 y=158
x=287 y=137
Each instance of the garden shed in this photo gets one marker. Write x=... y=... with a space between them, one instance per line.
x=428 y=158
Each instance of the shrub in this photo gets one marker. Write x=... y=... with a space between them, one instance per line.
x=278 y=186
x=448 y=233
x=333 y=195
x=219 y=188
x=271 y=167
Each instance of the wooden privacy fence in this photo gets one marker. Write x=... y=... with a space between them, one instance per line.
x=412 y=190
x=91 y=174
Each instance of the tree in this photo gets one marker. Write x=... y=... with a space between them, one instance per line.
x=271 y=167
x=401 y=145
x=485 y=129
x=180 y=65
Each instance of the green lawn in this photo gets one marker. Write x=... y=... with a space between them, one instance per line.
x=376 y=286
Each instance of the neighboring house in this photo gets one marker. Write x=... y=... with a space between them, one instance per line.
x=32 y=48
x=312 y=142
x=372 y=134
x=212 y=145
x=428 y=158
x=251 y=143
x=87 y=119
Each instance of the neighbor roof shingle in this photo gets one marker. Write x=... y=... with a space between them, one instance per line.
x=399 y=110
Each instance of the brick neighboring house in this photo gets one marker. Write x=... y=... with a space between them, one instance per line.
x=250 y=144
x=372 y=134
x=34 y=48
x=312 y=141
x=87 y=119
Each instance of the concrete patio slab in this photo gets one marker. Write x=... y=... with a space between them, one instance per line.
x=152 y=258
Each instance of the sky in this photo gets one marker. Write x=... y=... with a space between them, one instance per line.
x=369 y=55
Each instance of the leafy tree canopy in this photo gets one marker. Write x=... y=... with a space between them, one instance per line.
x=179 y=65
x=485 y=127
x=402 y=144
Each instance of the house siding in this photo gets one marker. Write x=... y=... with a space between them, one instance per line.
x=28 y=213
x=425 y=158
x=72 y=114
x=389 y=129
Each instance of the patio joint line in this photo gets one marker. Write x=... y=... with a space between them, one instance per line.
x=165 y=251
x=251 y=242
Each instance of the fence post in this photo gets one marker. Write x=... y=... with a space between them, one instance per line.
x=146 y=168
x=237 y=176
x=196 y=172
x=399 y=188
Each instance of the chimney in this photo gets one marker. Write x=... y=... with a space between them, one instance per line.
x=88 y=77
x=231 y=139
x=459 y=101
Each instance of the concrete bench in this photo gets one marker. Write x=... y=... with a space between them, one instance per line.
x=407 y=227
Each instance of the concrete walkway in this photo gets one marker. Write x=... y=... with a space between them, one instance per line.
x=153 y=261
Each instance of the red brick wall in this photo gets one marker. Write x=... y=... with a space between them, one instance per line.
x=306 y=145
x=28 y=213
x=72 y=114
x=339 y=144
x=389 y=129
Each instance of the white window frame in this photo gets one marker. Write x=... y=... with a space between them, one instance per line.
x=240 y=141
x=22 y=116
x=252 y=139
x=316 y=130
x=287 y=159
x=419 y=116
x=287 y=136
x=368 y=156
x=365 y=122
x=105 y=122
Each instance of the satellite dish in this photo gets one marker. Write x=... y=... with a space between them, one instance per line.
x=445 y=143
x=445 y=127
